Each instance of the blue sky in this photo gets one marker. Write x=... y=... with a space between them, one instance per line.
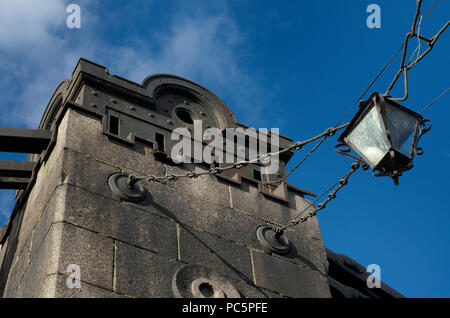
x=293 y=65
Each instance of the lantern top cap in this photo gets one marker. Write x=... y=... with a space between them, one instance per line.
x=365 y=106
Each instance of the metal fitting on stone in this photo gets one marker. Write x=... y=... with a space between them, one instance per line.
x=273 y=240
x=126 y=187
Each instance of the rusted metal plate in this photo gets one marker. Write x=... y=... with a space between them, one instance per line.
x=24 y=140
x=18 y=169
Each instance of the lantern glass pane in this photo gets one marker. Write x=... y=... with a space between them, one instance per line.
x=401 y=126
x=368 y=138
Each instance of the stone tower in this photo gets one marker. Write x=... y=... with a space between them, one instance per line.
x=191 y=237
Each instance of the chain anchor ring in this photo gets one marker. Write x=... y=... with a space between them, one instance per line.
x=272 y=240
x=126 y=187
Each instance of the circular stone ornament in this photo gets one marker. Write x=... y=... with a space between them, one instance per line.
x=197 y=281
x=270 y=243
x=119 y=184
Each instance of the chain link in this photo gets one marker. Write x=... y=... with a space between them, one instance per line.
x=238 y=165
x=340 y=184
x=403 y=69
x=329 y=132
x=299 y=145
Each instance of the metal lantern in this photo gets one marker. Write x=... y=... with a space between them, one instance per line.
x=385 y=135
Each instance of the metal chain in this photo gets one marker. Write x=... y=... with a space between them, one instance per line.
x=350 y=108
x=276 y=182
x=355 y=166
x=412 y=34
x=329 y=132
x=340 y=184
x=237 y=165
x=307 y=155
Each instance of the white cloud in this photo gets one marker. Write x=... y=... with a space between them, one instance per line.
x=37 y=52
x=201 y=46
x=203 y=49
x=28 y=22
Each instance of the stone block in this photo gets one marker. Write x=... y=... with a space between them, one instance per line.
x=55 y=285
x=225 y=257
x=206 y=187
x=203 y=215
x=246 y=197
x=3 y=251
x=288 y=278
x=92 y=252
x=36 y=202
x=55 y=205
x=166 y=201
x=84 y=134
x=44 y=260
x=306 y=251
x=251 y=291
x=119 y=220
x=15 y=275
x=141 y=273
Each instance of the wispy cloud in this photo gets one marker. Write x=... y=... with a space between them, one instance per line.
x=26 y=22
x=32 y=52
x=203 y=49
x=37 y=52
x=201 y=45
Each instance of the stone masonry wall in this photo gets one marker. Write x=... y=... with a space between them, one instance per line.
x=134 y=249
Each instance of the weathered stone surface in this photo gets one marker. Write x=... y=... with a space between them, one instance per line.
x=55 y=205
x=16 y=273
x=204 y=215
x=246 y=197
x=141 y=273
x=43 y=261
x=56 y=286
x=311 y=226
x=205 y=187
x=166 y=201
x=63 y=245
x=251 y=291
x=119 y=220
x=92 y=252
x=225 y=257
x=36 y=202
x=134 y=249
x=288 y=278
x=84 y=134
x=3 y=251
x=306 y=251
x=49 y=176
